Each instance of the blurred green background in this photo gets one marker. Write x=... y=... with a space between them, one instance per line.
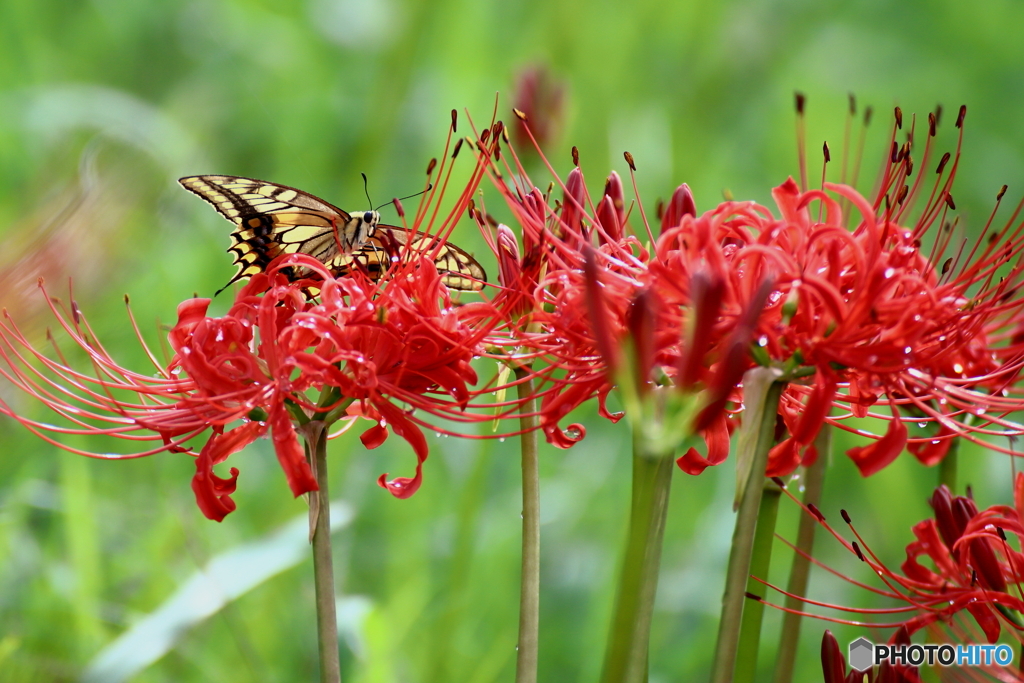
x=104 y=104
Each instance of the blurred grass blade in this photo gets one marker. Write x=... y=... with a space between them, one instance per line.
x=227 y=576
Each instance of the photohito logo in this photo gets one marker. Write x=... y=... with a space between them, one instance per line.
x=863 y=654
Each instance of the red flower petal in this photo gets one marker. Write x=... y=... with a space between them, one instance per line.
x=403 y=487
x=290 y=452
x=876 y=456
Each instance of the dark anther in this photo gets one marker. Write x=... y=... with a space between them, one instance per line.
x=455 y=120
x=899 y=118
x=946 y=265
x=752 y=596
x=931 y=125
x=458 y=146
x=778 y=482
x=1002 y=534
x=575 y=156
x=856 y=549
x=949 y=201
x=519 y=114
x=485 y=136
x=816 y=512
x=800 y=101
x=942 y=163
x=867 y=116
x=938 y=114
x=846 y=516
x=824 y=149
x=903 y=194
x=433 y=162
x=961 y=115
x=1002 y=191
x=853 y=104
x=895 y=151
x=629 y=160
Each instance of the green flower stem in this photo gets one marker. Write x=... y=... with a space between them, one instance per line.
x=760 y=562
x=628 y=642
x=529 y=587
x=323 y=562
x=738 y=570
x=948 y=466
x=799 y=572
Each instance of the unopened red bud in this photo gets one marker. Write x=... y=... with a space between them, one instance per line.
x=640 y=321
x=833 y=664
x=680 y=205
x=598 y=311
x=572 y=203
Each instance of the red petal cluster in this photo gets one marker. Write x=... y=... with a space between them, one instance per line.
x=960 y=561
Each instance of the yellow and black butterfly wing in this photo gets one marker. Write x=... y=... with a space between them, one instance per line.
x=272 y=219
x=391 y=244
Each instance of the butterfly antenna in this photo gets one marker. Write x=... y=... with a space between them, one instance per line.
x=366 y=190
x=402 y=199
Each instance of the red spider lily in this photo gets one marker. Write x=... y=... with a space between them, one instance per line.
x=375 y=346
x=382 y=350
x=971 y=567
x=878 y=313
x=680 y=306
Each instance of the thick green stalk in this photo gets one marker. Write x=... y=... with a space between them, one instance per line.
x=323 y=562
x=800 y=571
x=734 y=597
x=760 y=562
x=628 y=643
x=529 y=587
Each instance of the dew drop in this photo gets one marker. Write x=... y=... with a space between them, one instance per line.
x=957 y=368
x=889 y=272
x=907 y=349
x=501 y=439
x=922 y=425
x=763 y=341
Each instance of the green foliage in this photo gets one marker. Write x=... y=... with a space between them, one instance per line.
x=104 y=104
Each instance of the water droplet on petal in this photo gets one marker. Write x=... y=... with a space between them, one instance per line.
x=763 y=341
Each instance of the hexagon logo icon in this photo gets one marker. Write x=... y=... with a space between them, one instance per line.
x=861 y=651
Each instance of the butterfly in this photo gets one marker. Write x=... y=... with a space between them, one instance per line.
x=272 y=219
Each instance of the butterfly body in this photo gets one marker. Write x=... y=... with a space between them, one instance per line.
x=272 y=219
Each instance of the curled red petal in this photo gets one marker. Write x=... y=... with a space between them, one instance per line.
x=783 y=458
x=876 y=456
x=986 y=619
x=716 y=436
x=374 y=436
x=403 y=487
x=812 y=417
x=932 y=451
x=190 y=313
x=290 y=452
x=213 y=493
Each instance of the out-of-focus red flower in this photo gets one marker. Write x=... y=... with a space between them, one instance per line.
x=540 y=96
x=959 y=564
x=833 y=664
